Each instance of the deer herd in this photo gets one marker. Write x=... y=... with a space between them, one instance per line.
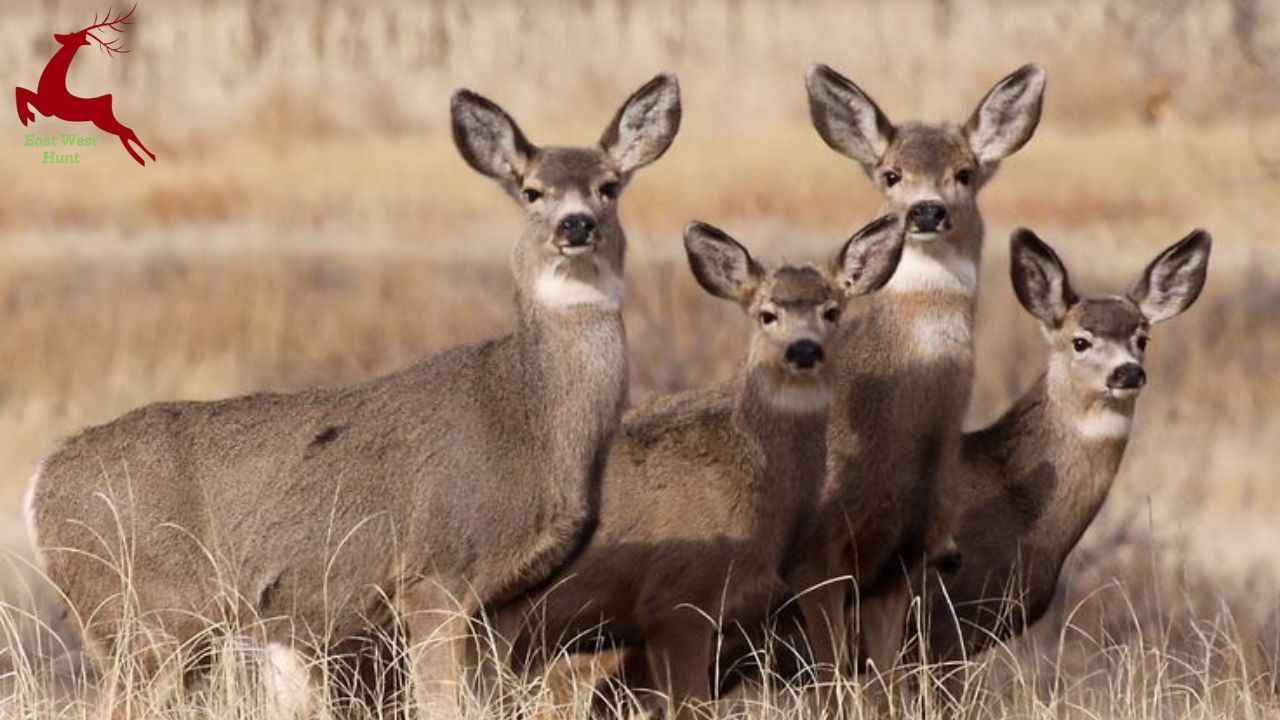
x=828 y=490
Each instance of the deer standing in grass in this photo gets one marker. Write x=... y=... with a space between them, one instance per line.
x=1030 y=484
x=52 y=98
x=904 y=376
x=423 y=495
x=705 y=490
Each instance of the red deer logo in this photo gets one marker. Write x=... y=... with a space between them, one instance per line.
x=53 y=99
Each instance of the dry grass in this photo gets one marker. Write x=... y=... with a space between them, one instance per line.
x=309 y=222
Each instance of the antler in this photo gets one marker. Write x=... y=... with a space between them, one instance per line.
x=117 y=25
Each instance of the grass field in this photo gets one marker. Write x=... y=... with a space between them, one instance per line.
x=309 y=222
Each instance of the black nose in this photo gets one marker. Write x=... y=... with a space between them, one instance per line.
x=927 y=216
x=804 y=354
x=577 y=228
x=1129 y=376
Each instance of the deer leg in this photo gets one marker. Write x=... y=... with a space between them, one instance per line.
x=128 y=136
x=132 y=153
x=104 y=118
x=113 y=127
x=127 y=669
x=611 y=698
x=25 y=99
x=883 y=631
x=438 y=625
x=368 y=673
x=503 y=649
x=133 y=137
x=678 y=655
x=826 y=630
x=287 y=682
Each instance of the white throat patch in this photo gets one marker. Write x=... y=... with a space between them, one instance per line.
x=920 y=271
x=801 y=399
x=1104 y=424
x=554 y=290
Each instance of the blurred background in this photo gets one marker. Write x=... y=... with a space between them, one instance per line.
x=308 y=221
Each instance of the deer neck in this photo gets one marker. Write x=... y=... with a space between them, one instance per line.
x=946 y=269
x=574 y=361
x=1062 y=449
x=789 y=432
x=55 y=72
x=933 y=296
x=788 y=441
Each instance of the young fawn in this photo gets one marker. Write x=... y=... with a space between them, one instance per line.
x=1031 y=482
x=422 y=495
x=904 y=376
x=705 y=490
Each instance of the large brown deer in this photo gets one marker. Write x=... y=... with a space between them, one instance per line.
x=904 y=375
x=705 y=490
x=1030 y=483
x=52 y=98
x=457 y=482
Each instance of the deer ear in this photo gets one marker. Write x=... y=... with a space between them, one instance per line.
x=1173 y=281
x=722 y=266
x=869 y=258
x=488 y=139
x=645 y=125
x=1007 y=117
x=1039 y=278
x=848 y=120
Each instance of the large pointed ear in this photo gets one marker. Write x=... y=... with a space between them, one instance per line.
x=645 y=125
x=489 y=140
x=1174 y=279
x=847 y=119
x=1039 y=278
x=1007 y=117
x=868 y=259
x=722 y=266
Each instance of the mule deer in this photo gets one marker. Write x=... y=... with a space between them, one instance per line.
x=52 y=98
x=457 y=482
x=705 y=490
x=904 y=376
x=1031 y=482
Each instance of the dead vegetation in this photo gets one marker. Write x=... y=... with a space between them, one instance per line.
x=308 y=221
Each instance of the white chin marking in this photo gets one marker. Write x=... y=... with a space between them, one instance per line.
x=801 y=399
x=920 y=271
x=1104 y=424
x=944 y=335
x=287 y=682
x=554 y=290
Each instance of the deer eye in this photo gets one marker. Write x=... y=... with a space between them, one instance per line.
x=1081 y=344
x=1142 y=343
x=610 y=190
x=964 y=176
x=768 y=318
x=831 y=314
x=531 y=195
x=891 y=178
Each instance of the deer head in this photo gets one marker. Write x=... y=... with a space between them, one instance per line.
x=573 y=245
x=930 y=174
x=1097 y=344
x=795 y=309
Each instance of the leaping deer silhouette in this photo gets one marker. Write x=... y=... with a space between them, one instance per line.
x=52 y=98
